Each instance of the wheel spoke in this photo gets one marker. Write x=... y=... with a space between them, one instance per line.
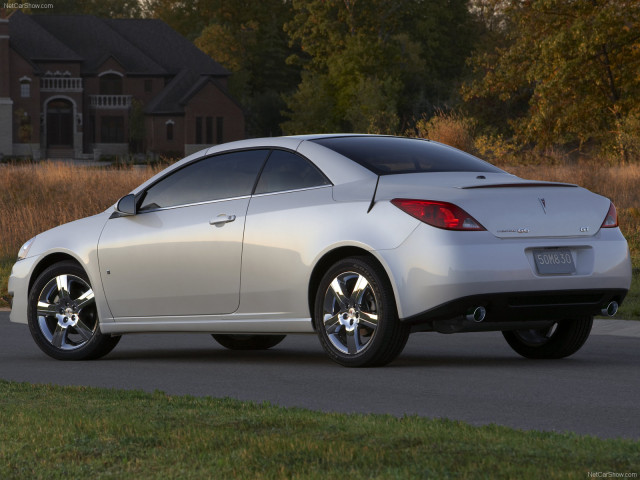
x=87 y=298
x=368 y=320
x=46 y=309
x=59 y=336
x=358 y=290
x=336 y=289
x=353 y=341
x=62 y=282
x=83 y=330
x=332 y=323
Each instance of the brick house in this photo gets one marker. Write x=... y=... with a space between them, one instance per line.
x=80 y=86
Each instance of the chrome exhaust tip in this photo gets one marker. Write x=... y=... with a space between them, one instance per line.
x=610 y=310
x=476 y=314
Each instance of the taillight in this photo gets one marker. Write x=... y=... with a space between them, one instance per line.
x=438 y=214
x=611 y=220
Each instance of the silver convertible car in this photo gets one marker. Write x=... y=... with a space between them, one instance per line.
x=361 y=239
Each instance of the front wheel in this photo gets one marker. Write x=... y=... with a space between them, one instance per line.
x=355 y=315
x=62 y=315
x=557 y=341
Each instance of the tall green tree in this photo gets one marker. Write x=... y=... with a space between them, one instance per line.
x=577 y=63
x=99 y=8
x=187 y=17
x=374 y=65
x=247 y=38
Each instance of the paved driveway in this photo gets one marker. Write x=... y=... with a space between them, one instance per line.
x=471 y=377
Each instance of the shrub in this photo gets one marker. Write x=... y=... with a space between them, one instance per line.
x=449 y=128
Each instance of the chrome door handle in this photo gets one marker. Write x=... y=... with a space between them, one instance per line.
x=222 y=219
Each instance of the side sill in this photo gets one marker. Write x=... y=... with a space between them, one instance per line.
x=208 y=325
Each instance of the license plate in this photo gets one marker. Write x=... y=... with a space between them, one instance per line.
x=554 y=261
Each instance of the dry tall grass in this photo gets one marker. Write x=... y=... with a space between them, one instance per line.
x=36 y=197
x=620 y=183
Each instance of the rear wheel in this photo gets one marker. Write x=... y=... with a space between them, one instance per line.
x=355 y=315
x=557 y=341
x=62 y=315
x=248 y=342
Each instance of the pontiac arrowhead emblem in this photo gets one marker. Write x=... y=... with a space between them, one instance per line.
x=543 y=204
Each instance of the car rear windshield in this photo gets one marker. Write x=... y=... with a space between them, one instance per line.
x=395 y=155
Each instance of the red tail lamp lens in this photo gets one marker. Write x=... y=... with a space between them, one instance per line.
x=611 y=220
x=438 y=214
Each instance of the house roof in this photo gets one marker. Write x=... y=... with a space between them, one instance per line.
x=168 y=101
x=35 y=43
x=145 y=47
x=167 y=47
x=94 y=40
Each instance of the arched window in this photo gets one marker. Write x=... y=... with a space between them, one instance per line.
x=110 y=84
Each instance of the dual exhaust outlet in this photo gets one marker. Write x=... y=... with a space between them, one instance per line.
x=479 y=313
x=610 y=309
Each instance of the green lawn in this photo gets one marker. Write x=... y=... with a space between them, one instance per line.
x=630 y=309
x=76 y=432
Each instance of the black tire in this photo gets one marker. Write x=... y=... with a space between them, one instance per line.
x=558 y=341
x=62 y=315
x=248 y=342
x=358 y=327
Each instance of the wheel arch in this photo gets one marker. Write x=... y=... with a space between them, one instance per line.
x=49 y=260
x=335 y=255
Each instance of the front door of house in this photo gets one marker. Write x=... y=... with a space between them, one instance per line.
x=60 y=123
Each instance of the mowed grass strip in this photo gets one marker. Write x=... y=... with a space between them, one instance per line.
x=51 y=432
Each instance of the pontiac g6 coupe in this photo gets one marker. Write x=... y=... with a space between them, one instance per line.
x=360 y=239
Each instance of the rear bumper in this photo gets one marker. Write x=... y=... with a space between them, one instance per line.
x=435 y=269
x=514 y=310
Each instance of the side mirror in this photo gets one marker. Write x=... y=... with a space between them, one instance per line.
x=127 y=205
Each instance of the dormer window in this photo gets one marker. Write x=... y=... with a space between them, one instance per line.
x=111 y=84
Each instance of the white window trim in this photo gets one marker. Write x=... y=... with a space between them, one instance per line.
x=110 y=72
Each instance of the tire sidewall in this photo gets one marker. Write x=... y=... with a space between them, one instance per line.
x=84 y=352
x=568 y=338
x=387 y=316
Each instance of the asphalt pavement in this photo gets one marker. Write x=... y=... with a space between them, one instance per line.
x=472 y=377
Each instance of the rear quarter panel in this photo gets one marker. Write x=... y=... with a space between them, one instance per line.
x=286 y=234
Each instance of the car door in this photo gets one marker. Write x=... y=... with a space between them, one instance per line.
x=181 y=253
x=285 y=222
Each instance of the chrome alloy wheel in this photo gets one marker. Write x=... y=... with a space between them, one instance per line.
x=66 y=312
x=350 y=313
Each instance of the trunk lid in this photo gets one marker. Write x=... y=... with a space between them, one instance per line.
x=507 y=206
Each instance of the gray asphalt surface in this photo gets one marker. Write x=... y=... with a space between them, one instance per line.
x=475 y=378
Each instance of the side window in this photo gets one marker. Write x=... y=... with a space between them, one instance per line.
x=214 y=178
x=288 y=171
